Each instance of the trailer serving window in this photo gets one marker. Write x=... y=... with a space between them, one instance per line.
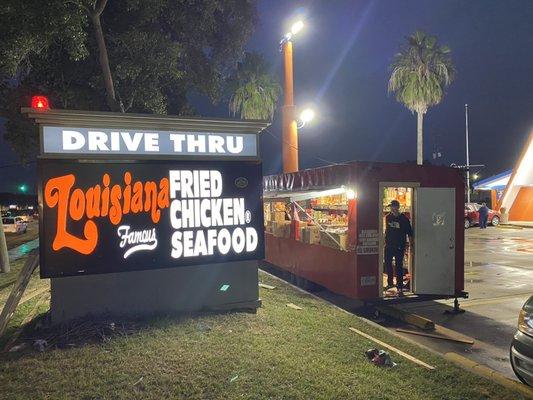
x=314 y=217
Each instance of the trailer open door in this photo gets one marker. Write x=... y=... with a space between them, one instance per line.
x=434 y=267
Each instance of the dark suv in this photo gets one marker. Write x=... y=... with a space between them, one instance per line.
x=522 y=345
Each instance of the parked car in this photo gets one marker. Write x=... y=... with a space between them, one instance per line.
x=472 y=215
x=25 y=217
x=14 y=225
x=521 y=354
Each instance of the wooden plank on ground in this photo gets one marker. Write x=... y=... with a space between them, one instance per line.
x=441 y=330
x=18 y=289
x=431 y=335
x=265 y=286
x=410 y=318
x=294 y=306
x=392 y=348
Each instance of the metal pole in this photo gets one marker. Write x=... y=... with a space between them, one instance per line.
x=289 y=127
x=467 y=157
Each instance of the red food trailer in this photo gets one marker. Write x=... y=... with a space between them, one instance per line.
x=327 y=225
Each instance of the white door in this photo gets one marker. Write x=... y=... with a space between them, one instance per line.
x=434 y=268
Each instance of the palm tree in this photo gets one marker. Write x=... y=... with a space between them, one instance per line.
x=254 y=91
x=420 y=73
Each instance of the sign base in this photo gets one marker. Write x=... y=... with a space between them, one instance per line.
x=213 y=287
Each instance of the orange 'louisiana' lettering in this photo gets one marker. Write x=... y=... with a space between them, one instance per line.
x=100 y=201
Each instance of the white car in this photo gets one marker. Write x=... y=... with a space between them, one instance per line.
x=14 y=225
x=25 y=217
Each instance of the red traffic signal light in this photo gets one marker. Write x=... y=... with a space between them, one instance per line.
x=40 y=103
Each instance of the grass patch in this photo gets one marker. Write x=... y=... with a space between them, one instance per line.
x=8 y=280
x=278 y=353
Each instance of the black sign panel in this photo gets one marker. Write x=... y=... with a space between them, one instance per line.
x=101 y=217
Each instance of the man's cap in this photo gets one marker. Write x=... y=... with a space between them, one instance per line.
x=394 y=203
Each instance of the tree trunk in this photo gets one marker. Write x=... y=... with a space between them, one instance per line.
x=420 y=138
x=4 y=255
x=103 y=58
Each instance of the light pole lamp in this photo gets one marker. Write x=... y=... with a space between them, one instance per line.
x=289 y=124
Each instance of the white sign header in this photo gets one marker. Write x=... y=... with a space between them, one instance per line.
x=96 y=141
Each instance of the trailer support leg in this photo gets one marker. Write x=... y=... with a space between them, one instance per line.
x=456 y=308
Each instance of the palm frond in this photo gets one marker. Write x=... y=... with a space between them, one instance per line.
x=420 y=72
x=256 y=91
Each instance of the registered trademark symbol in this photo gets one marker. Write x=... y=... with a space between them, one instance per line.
x=247 y=216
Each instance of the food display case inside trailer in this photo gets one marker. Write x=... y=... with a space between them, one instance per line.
x=327 y=225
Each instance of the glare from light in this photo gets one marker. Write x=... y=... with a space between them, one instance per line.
x=297 y=27
x=475 y=176
x=350 y=194
x=307 y=115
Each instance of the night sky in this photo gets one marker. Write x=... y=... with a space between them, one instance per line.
x=341 y=62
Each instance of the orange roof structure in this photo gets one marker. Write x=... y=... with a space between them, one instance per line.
x=517 y=197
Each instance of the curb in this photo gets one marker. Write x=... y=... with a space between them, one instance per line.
x=513 y=226
x=486 y=372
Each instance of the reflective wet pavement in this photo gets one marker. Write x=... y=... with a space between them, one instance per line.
x=499 y=279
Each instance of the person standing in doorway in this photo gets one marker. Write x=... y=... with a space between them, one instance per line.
x=397 y=228
x=483 y=216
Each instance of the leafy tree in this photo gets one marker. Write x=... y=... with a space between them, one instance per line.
x=420 y=73
x=254 y=90
x=129 y=55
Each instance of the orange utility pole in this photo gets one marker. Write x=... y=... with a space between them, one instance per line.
x=289 y=128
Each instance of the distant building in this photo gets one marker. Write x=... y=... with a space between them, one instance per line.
x=17 y=201
x=513 y=189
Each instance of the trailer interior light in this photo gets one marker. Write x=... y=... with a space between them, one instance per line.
x=351 y=194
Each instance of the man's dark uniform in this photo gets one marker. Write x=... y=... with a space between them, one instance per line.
x=397 y=227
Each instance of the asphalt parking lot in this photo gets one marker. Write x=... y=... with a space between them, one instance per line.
x=499 y=279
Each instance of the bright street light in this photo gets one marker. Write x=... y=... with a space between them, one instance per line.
x=297 y=27
x=306 y=116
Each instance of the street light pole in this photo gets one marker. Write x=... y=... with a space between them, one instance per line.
x=289 y=127
x=467 y=157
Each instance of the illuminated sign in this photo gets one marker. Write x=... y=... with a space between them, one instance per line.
x=110 y=143
x=117 y=216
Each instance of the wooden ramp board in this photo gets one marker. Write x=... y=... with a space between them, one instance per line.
x=18 y=289
x=432 y=335
x=392 y=348
x=410 y=318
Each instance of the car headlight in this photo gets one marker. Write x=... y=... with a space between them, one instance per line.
x=525 y=322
